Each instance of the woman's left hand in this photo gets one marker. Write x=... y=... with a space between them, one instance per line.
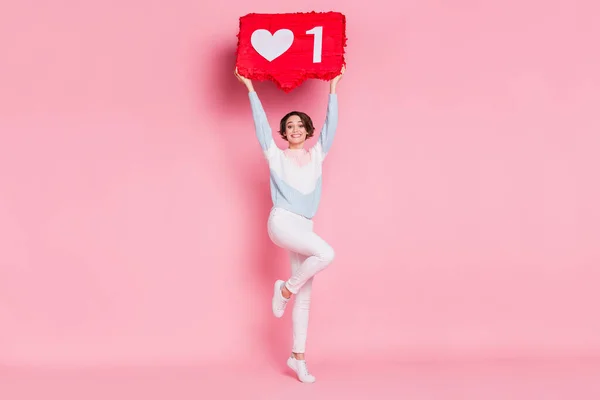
x=335 y=80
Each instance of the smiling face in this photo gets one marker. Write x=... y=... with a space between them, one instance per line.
x=295 y=131
x=296 y=127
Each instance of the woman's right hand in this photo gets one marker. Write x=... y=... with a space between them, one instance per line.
x=247 y=82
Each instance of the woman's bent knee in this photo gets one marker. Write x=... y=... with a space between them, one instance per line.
x=327 y=255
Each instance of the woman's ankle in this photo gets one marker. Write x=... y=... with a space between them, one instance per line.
x=298 y=356
x=285 y=292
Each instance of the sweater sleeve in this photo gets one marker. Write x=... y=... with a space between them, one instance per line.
x=330 y=124
x=261 y=124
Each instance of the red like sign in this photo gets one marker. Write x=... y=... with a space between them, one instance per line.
x=291 y=48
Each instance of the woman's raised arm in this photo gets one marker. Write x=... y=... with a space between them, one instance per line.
x=261 y=124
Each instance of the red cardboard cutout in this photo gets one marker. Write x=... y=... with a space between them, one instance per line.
x=291 y=48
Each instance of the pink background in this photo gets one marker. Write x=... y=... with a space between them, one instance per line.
x=461 y=194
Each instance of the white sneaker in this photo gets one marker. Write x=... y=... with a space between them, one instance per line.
x=279 y=302
x=299 y=367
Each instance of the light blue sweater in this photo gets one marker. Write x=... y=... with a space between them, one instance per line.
x=295 y=187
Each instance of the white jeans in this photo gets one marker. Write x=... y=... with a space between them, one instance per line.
x=309 y=254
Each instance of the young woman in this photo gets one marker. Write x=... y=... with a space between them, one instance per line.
x=295 y=191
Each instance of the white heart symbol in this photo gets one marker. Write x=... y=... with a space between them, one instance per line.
x=271 y=46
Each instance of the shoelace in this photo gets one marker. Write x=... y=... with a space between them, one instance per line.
x=303 y=368
x=281 y=305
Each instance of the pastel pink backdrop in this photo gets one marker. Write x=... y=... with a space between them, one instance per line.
x=461 y=193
